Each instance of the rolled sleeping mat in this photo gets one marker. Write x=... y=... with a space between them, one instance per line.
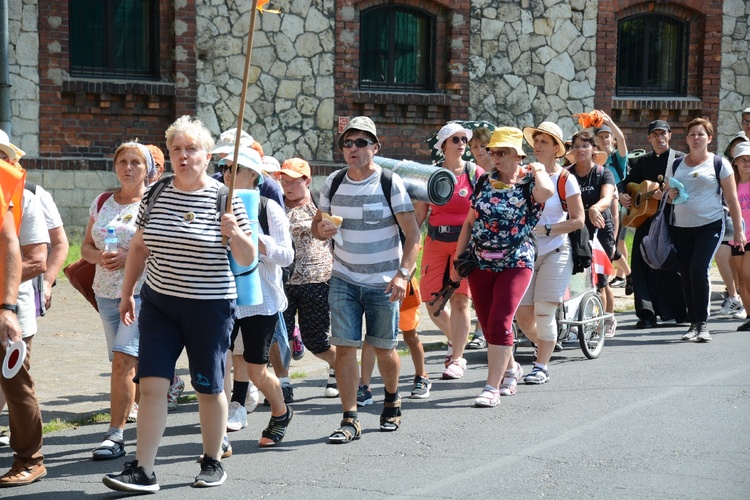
x=426 y=183
x=247 y=278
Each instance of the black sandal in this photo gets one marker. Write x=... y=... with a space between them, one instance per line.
x=477 y=342
x=107 y=451
x=276 y=429
x=390 y=419
x=349 y=429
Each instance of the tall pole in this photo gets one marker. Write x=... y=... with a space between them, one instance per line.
x=4 y=69
x=241 y=114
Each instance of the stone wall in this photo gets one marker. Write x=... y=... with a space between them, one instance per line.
x=735 y=70
x=532 y=61
x=290 y=97
x=23 y=58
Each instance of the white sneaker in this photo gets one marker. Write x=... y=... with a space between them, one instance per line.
x=237 y=418
x=731 y=305
x=252 y=399
x=741 y=314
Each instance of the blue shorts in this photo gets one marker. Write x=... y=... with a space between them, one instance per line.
x=120 y=338
x=202 y=327
x=348 y=302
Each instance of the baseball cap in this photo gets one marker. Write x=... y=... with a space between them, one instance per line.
x=361 y=123
x=295 y=167
x=658 y=125
x=603 y=128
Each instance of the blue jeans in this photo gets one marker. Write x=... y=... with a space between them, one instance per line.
x=119 y=337
x=348 y=302
x=279 y=336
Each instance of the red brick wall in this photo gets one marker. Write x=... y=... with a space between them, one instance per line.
x=405 y=120
x=703 y=73
x=83 y=120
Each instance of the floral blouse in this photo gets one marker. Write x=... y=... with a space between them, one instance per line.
x=313 y=258
x=108 y=284
x=502 y=237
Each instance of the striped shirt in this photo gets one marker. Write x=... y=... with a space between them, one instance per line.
x=183 y=235
x=371 y=251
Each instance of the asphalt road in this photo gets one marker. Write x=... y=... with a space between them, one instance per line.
x=653 y=417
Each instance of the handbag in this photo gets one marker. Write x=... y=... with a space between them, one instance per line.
x=657 y=248
x=81 y=272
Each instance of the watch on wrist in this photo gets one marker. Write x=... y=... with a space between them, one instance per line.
x=547 y=229
x=10 y=307
x=404 y=271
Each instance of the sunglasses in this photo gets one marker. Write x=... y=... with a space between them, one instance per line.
x=457 y=140
x=360 y=143
x=224 y=168
x=496 y=154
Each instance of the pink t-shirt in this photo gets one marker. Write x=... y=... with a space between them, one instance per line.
x=743 y=194
x=454 y=212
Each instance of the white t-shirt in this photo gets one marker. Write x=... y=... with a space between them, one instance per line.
x=553 y=213
x=51 y=214
x=704 y=202
x=33 y=231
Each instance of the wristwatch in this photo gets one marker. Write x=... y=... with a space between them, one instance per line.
x=405 y=272
x=547 y=229
x=10 y=307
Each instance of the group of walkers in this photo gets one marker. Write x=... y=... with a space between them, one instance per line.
x=501 y=242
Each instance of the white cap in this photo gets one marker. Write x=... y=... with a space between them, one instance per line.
x=227 y=140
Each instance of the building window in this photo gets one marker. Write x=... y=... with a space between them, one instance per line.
x=114 y=38
x=652 y=56
x=397 y=49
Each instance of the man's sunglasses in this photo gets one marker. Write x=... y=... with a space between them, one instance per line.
x=360 y=143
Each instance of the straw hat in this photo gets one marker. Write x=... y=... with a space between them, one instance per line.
x=449 y=130
x=549 y=128
x=507 y=137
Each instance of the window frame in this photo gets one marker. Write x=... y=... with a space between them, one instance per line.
x=108 y=70
x=680 y=73
x=429 y=41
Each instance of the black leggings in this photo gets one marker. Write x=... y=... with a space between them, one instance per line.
x=696 y=247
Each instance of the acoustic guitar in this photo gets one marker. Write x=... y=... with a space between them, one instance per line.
x=643 y=204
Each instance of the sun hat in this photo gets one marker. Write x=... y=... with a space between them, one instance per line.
x=295 y=167
x=741 y=149
x=361 y=123
x=507 y=137
x=6 y=147
x=549 y=128
x=227 y=140
x=270 y=164
x=248 y=158
x=738 y=137
x=658 y=125
x=449 y=130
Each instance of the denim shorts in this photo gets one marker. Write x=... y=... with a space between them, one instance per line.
x=119 y=337
x=170 y=324
x=348 y=302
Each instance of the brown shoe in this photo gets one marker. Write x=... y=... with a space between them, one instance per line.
x=23 y=475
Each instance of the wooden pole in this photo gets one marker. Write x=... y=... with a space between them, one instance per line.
x=241 y=114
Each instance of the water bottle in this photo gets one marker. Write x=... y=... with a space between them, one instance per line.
x=110 y=242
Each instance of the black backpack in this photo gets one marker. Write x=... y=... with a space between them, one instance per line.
x=288 y=271
x=580 y=246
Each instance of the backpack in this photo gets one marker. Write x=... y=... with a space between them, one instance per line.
x=159 y=186
x=386 y=182
x=657 y=249
x=580 y=246
x=288 y=271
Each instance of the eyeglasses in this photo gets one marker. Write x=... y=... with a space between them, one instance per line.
x=456 y=140
x=497 y=154
x=290 y=182
x=745 y=122
x=360 y=143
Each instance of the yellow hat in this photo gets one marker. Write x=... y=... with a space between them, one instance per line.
x=507 y=137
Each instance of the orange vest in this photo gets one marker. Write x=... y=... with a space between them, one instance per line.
x=12 y=180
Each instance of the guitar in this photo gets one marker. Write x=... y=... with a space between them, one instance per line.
x=643 y=204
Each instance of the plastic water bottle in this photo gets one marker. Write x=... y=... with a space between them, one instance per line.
x=110 y=242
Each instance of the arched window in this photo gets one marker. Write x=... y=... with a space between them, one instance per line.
x=114 y=38
x=652 y=56
x=396 y=49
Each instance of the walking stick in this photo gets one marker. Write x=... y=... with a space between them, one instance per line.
x=241 y=114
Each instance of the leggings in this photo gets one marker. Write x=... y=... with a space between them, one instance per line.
x=696 y=247
x=496 y=298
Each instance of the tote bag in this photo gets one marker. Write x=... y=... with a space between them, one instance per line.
x=657 y=248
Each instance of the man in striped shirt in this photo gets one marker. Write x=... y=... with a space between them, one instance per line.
x=371 y=269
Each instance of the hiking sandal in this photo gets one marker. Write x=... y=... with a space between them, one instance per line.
x=349 y=429
x=390 y=419
x=110 y=449
x=276 y=430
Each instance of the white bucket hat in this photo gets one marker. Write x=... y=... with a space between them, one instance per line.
x=449 y=130
x=227 y=140
x=248 y=158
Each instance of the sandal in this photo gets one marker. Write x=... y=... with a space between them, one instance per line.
x=276 y=430
x=109 y=450
x=349 y=429
x=390 y=419
x=510 y=381
x=477 y=342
